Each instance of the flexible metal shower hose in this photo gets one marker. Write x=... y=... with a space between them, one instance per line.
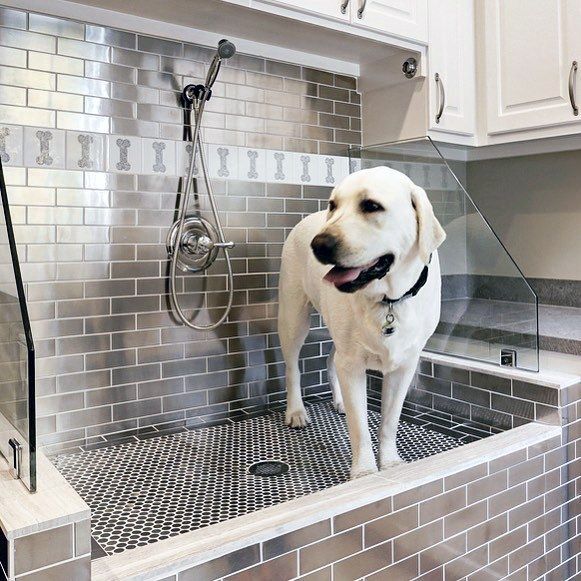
x=197 y=145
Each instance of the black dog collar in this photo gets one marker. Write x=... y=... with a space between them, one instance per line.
x=412 y=292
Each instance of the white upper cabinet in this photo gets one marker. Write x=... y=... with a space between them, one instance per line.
x=403 y=18
x=333 y=8
x=530 y=50
x=452 y=74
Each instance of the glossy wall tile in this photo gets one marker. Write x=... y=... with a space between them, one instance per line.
x=91 y=143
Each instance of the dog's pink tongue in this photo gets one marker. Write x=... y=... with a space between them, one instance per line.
x=339 y=276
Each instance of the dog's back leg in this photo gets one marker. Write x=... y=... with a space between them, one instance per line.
x=293 y=327
x=334 y=383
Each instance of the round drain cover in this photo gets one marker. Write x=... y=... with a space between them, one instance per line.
x=269 y=468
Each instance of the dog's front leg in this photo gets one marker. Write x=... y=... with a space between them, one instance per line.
x=353 y=382
x=395 y=388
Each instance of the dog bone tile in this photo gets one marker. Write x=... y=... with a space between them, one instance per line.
x=184 y=155
x=158 y=157
x=124 y=154
x=44 y=148
x=280 y=167
x=223 y=162
x=85 y=151
x=11 y=144
x=251 y=164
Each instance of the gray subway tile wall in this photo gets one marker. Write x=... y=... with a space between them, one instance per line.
x=63 y=552
x=487 y=402
x=81 y=103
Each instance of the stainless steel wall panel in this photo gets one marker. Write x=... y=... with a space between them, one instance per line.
x=109 y=107
x=54 y=100
x=83 y=86
x=86 y=344
x=112 y=355
x=27 y=78
x=56 y=26
x=27 y=40
x=132 y=127
x=13 y=57
x=111 y=37
x=110 y=72
x=13 y=18
x=159 y=46
x=84 y=50
x=55 y=64
x=108 y=395
x=13 y=96
x=134 y=93
x=182 y=67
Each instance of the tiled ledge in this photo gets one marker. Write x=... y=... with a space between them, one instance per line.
x=190 y=549
x=545 y=377
x=54 y=504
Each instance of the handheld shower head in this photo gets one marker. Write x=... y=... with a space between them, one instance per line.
x=225 y=50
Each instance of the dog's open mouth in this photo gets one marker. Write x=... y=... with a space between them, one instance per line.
x=348 y=280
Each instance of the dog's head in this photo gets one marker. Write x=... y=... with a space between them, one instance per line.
x=376 y=218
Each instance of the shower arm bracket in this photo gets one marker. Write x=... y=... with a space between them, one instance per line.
x=194 y=93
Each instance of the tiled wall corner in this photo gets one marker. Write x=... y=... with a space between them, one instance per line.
x=51 y=555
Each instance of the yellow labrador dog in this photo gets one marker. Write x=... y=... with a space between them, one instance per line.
x=369 y=265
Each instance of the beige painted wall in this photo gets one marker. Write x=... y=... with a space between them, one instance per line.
x=534 y=205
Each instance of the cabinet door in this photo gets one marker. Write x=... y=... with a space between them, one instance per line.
x=403 y=18
x=321 y=7
x=451 y=56
x=530 y=46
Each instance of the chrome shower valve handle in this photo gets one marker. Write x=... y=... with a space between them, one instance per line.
x=198 y=246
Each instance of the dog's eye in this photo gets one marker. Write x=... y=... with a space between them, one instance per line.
x=369 y=206
x=332 y=206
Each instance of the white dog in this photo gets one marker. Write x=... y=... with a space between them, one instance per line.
x=380 y=300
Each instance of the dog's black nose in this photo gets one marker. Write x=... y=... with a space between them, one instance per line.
x=324 y=247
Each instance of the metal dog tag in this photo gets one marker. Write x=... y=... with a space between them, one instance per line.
x=388 y=325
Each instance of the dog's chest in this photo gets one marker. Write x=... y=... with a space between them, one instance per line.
x=389 y=350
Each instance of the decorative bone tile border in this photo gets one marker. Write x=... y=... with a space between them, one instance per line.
x=60 y=149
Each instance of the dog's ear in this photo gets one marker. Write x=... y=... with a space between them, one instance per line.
x=430 y=232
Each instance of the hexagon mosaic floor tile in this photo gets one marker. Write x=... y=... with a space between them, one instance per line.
x=145 y=491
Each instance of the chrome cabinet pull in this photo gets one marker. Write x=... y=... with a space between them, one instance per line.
x=572 y=74
x=344 y=5
x=442 y=97
x=361 y=9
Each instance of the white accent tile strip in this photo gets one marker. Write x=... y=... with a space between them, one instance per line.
x=35 y=147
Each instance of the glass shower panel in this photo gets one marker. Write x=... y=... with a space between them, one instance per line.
x=489 y=310
x=17 y=404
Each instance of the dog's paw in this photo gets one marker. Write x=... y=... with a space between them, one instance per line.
x=390 y=463
x=339 y=407
x=297 y=418
x=361 y=471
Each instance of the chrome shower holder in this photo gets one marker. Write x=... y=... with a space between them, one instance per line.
x=198 y=246
x=193 y=93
